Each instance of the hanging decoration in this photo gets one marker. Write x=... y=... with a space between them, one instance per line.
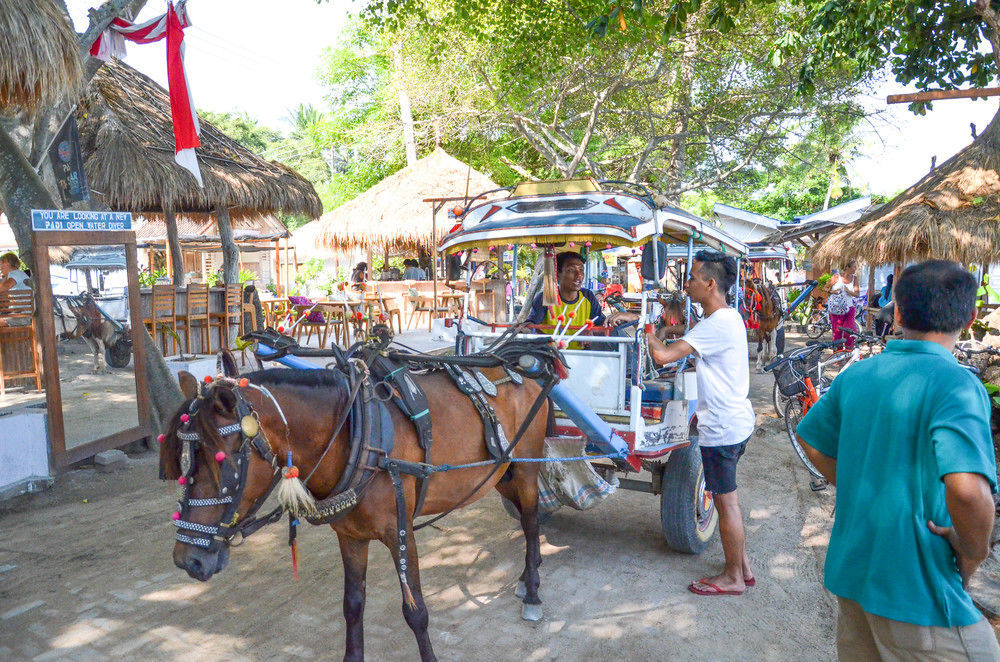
x=170 y=26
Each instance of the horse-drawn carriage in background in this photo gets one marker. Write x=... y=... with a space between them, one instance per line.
x=614 y=396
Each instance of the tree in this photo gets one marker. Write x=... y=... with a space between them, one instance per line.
x=244 y=129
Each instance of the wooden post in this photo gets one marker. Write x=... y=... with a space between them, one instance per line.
x=230 y=251
x=871 y=292
x=434 y=270
x=277 y=267
x=175 y=259
x=288 y=277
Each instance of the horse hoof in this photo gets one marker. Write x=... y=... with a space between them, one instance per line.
x=531 y=613
x=521 y=590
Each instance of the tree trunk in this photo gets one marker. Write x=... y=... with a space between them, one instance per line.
x=21 y=190
x=164 y=394
x=405 y=113
x=174 y=246
x=230 y=252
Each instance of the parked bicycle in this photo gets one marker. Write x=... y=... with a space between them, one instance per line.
x=802 y=377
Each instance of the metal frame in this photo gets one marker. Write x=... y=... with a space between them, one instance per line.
x=60 y=456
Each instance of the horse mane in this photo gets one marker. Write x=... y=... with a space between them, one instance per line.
x=297 y=377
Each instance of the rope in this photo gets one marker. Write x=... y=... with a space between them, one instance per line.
x=450 y=467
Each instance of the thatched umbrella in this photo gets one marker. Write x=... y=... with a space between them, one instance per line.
x=392 y=215
x=39 y=55
x=127 y=139
x=952 y=213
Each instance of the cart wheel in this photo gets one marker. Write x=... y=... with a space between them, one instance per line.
x=119 y=354
x=687 y=512
x=511 y=509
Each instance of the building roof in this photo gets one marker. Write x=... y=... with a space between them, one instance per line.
x=204 y=229
x=40 y=60
x=720 y=209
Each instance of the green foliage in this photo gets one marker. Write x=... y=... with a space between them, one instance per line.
x=213 y=278
x=148 y=278
x=824 y=281
x=984 y=293
x=246 y=276
x=243 y=129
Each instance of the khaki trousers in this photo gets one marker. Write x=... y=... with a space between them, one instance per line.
x=862 y=636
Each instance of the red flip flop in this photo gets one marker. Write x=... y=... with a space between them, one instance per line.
x=750 y=582
x=712 y=589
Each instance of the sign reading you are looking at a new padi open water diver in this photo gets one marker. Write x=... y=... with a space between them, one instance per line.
x=80 y=221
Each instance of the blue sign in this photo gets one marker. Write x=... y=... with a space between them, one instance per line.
x=80 y=221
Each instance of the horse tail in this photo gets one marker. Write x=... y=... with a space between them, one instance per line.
x=550 y=420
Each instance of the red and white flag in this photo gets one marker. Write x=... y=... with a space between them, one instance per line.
x=170 y=26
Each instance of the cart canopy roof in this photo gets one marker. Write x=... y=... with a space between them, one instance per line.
x=601 y=219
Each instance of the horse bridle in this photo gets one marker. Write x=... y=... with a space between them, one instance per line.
x=232 y=478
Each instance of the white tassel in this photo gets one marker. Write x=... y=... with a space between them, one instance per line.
x=293 y=495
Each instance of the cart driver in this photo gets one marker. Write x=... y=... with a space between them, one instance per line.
x=573 y=297
x=725 y=415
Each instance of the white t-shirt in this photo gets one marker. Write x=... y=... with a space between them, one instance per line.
x=20 y=279
x=725 y=415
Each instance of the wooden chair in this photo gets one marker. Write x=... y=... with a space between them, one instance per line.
x=393 y=310
x=196 y=316
x=231 y=314
x=424 y=305
x=312 y=321
x=18 y=338
x=162 y=317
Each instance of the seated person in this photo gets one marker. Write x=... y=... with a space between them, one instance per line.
x=573 y=298
x=11 y=277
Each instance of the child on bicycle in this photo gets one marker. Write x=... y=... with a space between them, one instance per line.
x=905 y=437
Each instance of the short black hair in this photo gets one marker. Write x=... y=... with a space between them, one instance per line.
x=562 y=258
x=936 y=295
x=718 y=266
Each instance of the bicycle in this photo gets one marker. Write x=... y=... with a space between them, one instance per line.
x=801 y=378
x=818 y=322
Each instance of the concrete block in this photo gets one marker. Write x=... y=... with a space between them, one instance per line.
x=110 y=460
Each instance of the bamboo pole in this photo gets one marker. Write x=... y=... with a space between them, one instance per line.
x=277 y=267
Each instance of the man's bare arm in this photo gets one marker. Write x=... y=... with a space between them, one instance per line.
x=827 y=465
x=664 y=354
x=970 y=506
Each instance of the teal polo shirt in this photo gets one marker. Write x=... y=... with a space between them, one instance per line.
x=896 y=424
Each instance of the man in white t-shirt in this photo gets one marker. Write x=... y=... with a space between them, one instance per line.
x=725 y=415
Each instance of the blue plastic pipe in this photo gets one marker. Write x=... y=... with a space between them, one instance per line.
x=602 y=438
x=288 y=359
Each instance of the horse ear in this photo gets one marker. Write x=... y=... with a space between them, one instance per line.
x=226 y=364
x=189 y=385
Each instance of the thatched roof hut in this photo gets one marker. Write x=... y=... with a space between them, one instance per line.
x=392 y=215
x=39 y=55
x=952 y=213
x=127 y=139
x=205 y=231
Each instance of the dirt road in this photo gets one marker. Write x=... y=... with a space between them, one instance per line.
x=86 y=573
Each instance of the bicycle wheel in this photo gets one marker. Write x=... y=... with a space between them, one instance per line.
x=793 y=414
x=779 y=401
x=817 y=325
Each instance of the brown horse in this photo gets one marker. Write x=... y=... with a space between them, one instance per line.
x=764 y=304
x=298 y=412
x=91 y=325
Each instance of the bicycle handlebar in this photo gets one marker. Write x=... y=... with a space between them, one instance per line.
x=804 y=352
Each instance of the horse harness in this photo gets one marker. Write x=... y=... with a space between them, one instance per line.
x=371 y=435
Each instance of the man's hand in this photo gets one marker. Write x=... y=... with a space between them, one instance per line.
x=970 y=506
x=966 y=566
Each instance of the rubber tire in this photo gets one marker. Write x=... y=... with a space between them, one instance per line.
x=793 y=414
x=681 y=513
x=779 y=401
x=815 y=331
x=511 y=509
x=119 y=355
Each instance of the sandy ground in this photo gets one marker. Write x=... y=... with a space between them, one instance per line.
x=86 y=573
x=94 y=405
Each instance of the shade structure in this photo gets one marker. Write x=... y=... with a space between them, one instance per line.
x=392 y=215
x=39 y=55
x=97 y=257
x=205 y=230
x=952 y=213
x=127 y=139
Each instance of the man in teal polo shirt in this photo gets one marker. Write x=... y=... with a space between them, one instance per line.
x=905 y=437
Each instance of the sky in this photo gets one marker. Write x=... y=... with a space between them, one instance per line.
x=247 y=55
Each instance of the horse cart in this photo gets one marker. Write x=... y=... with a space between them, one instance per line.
x=614 y=395
x=80 y=315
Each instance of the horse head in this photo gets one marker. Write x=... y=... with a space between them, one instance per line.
x=217 y=449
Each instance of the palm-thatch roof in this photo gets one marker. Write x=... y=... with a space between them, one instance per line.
x=393 y=215
x=39 y=55
x=127 y=140
x=205 y=230
x=952 y=213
